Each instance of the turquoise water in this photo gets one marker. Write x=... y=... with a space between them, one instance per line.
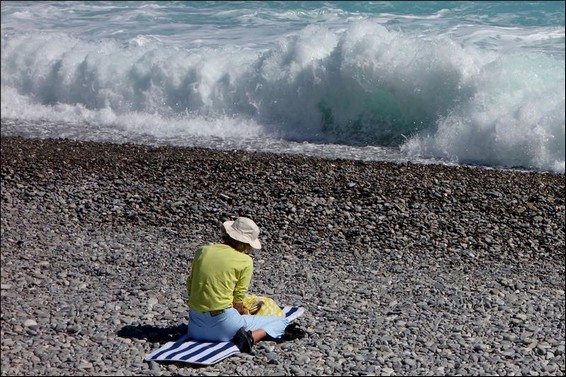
x=455 y=82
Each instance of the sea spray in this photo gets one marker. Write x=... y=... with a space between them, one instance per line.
x=425 y=83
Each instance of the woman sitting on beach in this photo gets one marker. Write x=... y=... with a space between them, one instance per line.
x=217 y=284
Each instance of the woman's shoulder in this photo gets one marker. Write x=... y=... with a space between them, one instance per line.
x=212 y=245
x=225 y=250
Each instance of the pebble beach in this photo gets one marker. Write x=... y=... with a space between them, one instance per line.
x=402 y=268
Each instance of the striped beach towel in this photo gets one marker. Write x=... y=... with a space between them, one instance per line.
x=206 y=353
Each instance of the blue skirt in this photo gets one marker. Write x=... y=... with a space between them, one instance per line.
x=223 y=327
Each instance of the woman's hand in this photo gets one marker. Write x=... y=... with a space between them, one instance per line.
x=240 y=307
x=255 y=307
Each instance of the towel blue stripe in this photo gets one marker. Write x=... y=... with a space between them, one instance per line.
x=291 y=311
x=189 y=355
x=189 y=347
x=178 y=343
x=212 y=354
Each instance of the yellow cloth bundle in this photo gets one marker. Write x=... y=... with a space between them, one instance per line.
x=269 y=306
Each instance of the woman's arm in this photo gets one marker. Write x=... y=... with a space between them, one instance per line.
x=241 y=288
x=189 y=283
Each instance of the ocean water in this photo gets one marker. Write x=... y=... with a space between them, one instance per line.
x=474 y=83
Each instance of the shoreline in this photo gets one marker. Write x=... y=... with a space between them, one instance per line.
x=308 y=155
x=432 y=258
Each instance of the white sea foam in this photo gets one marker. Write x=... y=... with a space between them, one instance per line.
x=459 y=92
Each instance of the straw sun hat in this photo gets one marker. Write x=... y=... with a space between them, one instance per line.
x=244 y=230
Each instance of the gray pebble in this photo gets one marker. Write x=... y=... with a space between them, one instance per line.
x=402 y=269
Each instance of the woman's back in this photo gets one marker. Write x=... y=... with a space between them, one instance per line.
x=220 y=275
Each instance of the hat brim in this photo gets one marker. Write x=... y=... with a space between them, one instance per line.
x=239 y=236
